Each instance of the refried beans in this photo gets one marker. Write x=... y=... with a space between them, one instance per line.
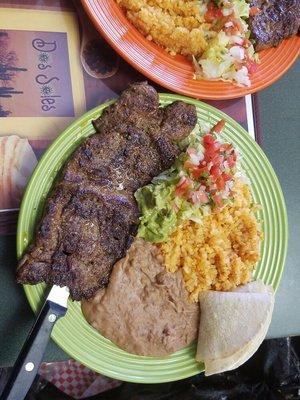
x=144 y=310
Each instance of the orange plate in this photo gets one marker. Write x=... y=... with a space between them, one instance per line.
x=176 y=73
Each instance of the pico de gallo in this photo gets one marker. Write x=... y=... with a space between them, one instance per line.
x=230 y=54
x=200 y=181
x=207 y=176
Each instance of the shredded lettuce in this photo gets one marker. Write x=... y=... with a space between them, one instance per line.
x=241 y=8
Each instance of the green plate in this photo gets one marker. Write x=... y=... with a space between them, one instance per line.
x=72 y=333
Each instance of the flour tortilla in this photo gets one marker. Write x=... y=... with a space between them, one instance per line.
x=17 y=161
x=24 y=164
x=233 y=325
x=254 y=287
x=240 y=357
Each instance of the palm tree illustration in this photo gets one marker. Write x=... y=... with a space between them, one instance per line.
x=8 y=71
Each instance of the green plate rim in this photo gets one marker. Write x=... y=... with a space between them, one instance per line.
x=238 y=130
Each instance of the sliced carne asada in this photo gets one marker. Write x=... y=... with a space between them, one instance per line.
x=275 y=21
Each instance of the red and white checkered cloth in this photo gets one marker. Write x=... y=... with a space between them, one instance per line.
x=75 y=379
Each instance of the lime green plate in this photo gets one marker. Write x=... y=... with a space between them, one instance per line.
x=72 y=333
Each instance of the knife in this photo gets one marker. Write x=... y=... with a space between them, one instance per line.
x=30 y=357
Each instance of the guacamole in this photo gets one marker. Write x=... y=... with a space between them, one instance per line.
x=158 y=219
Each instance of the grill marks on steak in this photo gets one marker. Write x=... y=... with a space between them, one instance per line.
x=79 y=239
x=277 y=20
x=91 y=217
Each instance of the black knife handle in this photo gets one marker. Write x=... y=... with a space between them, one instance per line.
x=30 y=357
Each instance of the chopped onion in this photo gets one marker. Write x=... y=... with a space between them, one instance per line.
x=235 y=39
x=237 y=52
x=227 y=11
x=203 y=8
x=242 y=77
x=242 y=177
x=195 y=156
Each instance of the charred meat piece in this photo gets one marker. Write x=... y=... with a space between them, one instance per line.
x=79 y=239
x=91 y=217
x=277 y=20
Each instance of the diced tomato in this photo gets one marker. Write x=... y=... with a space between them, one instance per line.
x=217 y=145
x=254 y=11
x=215 y=172
x=219 y=126
x=220 y=183
x=226 y=177
x=199 y=197
x=217 y=200
x=218 y=160
x=251 y=66
x=212 y=150
x=218 y=13
x=213 y=13
x=182 y=186
x=208 y=140
x=212 y=187
x=209 y=16
x=209 y=154
x=231 y=161
x=199 y=171
x=209 y=165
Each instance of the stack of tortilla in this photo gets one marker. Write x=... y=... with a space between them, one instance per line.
x=17 y=161
x=233 y=325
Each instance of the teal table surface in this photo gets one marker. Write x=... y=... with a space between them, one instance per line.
x=280 y=123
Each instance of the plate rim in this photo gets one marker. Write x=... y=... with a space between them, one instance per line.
x=75 y=123
x=87 y=5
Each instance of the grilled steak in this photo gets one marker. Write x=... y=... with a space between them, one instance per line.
x=91 y=217
x=277 y=20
